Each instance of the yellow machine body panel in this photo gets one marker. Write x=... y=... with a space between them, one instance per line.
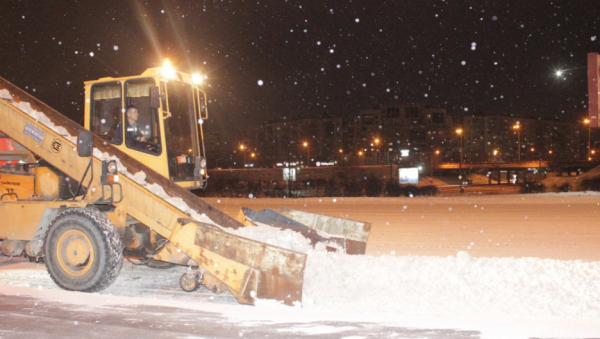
x=19 y=220
x=16 y=185
x=46 y=183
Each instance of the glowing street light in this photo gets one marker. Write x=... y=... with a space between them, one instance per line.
x=459 y=131
x=305 y=144
x=495 y=153
x=517 y=127
x=243 y=149
x=587 y=122
x=559 y=73
x=378 y=149
x=437 y=152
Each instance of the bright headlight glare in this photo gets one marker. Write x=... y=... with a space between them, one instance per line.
x=203 y=163
x=167 y=70
x=196 y=79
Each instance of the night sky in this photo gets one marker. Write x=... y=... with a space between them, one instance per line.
x=273 y=59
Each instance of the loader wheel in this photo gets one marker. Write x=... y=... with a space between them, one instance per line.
x=83 y=250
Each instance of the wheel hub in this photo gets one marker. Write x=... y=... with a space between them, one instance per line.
x=75 y=252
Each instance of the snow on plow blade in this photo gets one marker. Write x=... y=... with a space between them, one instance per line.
x=250 y=269
x=336 y=233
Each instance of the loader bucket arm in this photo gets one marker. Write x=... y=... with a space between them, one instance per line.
x=250 y=269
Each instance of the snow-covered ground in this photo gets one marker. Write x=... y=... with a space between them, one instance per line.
x=510 y=266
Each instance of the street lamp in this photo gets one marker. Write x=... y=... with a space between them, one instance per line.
x=517 y=127
x=437 y=152
x=243 y=149
x=460 y=133
x=495 y=154
x=305 y=144
x=587 y=122
x=360 y=154
x=378 y=149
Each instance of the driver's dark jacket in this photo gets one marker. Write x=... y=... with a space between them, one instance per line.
x=131 y=133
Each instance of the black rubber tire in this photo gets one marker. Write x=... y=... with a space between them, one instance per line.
x=90 y=232
x=157 y=264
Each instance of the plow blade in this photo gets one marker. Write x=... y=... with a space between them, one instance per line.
x=250 y=269
x=349 y=236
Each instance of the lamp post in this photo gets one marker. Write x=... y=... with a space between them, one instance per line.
x=437 y=152
x=341 y=151
x=460 y=133
x=305 y=144
x=517 y=127
x=378 y=149
x=243 y=149
x=587 y=122
x=540 y=162
x=360 y=154
x=495 y=154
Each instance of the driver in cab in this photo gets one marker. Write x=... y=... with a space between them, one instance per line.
x=133 y=135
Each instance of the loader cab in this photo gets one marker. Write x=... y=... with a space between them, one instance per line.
x=155 y=118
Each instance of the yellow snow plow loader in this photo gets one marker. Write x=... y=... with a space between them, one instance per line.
x=81 y=199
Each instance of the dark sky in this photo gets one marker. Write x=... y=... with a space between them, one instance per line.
x=313 y=56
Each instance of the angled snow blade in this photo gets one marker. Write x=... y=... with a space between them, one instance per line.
x=296 y=221
x=249 y=269
x=355 y=233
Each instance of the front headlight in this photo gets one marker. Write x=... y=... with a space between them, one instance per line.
x=203 y=162
x=110 y=172
x=112 y=167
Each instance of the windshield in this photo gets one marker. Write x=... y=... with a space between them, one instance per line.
x=180 y=130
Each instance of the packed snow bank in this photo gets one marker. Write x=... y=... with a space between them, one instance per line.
x=457 y=285
x=274 y=236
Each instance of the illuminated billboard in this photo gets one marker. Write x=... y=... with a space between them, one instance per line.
x=408 y=175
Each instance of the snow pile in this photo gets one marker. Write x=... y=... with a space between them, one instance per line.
x=525 y=287
x=274 y=236
x=5 y=94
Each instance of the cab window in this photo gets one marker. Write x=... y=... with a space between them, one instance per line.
x=142 y=131
x=106 y=110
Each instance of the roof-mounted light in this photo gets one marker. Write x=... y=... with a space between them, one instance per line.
x=167 y=70
x=196 y=79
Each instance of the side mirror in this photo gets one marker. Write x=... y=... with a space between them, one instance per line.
x=85 y=143
x=154 y=97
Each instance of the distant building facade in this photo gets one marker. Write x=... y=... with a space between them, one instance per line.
x=405 y=135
